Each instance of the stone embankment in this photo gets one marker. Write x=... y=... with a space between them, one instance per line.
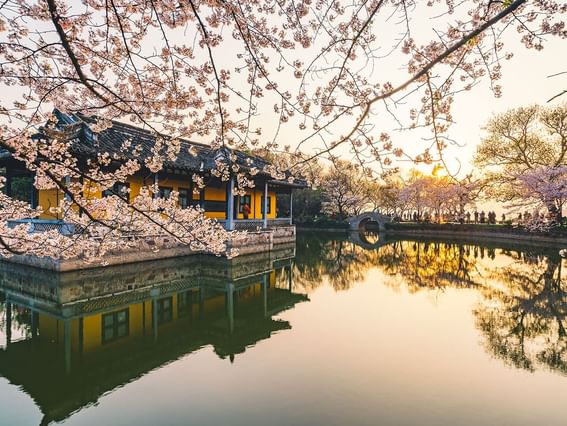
x=253 y=242
x=477 y=231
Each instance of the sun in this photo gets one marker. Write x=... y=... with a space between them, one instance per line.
x=437 y=168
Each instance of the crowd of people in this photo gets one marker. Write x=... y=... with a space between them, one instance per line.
x=481 y=217
x=466 y=217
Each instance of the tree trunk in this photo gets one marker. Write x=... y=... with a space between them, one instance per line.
x=554 y=213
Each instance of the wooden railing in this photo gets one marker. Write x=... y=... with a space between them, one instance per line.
x=258 y=224
x=42 y=225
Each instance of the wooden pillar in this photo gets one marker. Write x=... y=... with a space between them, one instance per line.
x=201 y=302
x=265 y=293
x=67 y=344
x=8 y=323
x=67 y=184
x=290 y=277
x=8 y=183
x=230 y=205
x=290 y=206
x=156 y=185
x=155 y=318
x=34 y=324
x=81 y=336
x=82 y=182
x=33 y=195
x=230 y=306
x=265 y=206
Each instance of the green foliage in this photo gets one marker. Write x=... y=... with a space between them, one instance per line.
x=21 y=188
x=306 y=204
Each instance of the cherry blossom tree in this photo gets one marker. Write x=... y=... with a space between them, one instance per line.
x=414 y=195
x=524 y=156
x=437 y=196
x=544 y=188
x=384 y=196
x=244 y=75
x=343 y=187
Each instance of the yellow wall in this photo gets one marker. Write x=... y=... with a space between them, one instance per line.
x=53 y=330
x=136 y=319
x=136 y=184
x=92 y=332
x=51 y=198
x=215 y=194
x=256 y=205
x=48 y=327
x=92 y=326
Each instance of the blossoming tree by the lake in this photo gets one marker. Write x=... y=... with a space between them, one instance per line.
x=243 y=75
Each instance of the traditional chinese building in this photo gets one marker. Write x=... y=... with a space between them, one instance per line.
x=270 y=201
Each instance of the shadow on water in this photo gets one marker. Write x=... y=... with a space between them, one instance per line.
x=71 y=337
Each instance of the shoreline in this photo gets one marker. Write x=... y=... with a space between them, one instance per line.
x=493 y=232
x=477 y=232
x=265 y=241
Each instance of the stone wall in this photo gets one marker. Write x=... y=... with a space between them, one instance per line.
x=263 y=241
x=492 y=232
x=252 y=242
x=131 y=282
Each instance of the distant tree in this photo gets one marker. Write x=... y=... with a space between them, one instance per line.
x=545 y=187
x=518 y=143
x=344 y=189
x=384 y=196
x=414 y=193
x=461 y=194
x=306 y=204
x=437 y=195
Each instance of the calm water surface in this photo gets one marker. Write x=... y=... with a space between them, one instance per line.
x=337 y=331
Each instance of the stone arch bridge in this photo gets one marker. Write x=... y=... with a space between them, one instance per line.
x=360 y=221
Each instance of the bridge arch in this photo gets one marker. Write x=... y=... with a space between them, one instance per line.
x=356 y=222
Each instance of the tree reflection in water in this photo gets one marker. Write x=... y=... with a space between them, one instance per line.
x=425 y=265
x=523 y=320
x=419 y=264
x=339 y=260
x=523 y=304
x=521 y=314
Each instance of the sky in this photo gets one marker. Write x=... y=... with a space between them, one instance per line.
x=525 y=81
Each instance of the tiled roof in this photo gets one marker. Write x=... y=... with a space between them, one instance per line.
x=88 y=144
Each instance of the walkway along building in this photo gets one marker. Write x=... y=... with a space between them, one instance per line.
x=270 y=201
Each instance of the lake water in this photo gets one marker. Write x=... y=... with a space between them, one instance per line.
x=337 y=330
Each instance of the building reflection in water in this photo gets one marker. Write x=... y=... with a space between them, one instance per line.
x=71 y=337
